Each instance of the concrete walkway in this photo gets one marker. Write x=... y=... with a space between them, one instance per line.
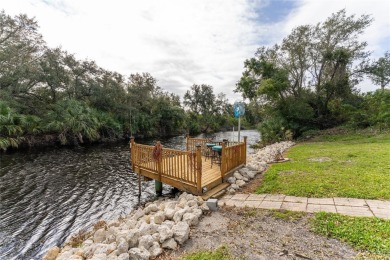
x=344 y=206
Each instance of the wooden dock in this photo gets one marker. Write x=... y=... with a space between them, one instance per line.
x=189 y=170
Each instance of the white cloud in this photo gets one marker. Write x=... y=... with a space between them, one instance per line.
x=180 y=42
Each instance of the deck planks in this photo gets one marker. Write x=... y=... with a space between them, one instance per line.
x=209 y=174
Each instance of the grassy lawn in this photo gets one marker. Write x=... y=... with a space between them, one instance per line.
x=355 y=166
x=221 y=253
x=369 y=234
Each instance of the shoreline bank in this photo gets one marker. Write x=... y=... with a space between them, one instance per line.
x=161 y=225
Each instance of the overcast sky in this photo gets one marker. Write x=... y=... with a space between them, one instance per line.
x=186 y=42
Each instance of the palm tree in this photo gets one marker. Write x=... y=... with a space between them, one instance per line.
x=10 y=128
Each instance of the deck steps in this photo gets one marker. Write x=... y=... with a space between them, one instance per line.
x=215 y=191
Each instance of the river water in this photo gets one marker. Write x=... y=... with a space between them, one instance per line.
x=48 y=194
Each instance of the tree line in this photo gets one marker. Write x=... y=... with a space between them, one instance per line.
x=308 y=82
x=305 y=83
x=50 y=96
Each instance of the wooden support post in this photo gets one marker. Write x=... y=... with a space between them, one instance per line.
x=159 y=187
x=199 y=168
x=187 y=136
x=132 y=152
x=157 y=183
x=159 y=160
x=245 y=142
x=223 y=158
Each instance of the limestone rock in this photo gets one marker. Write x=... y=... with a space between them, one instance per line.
x=99 y=236
x=183 y=195
x=178 y=215
x=182 y=202
x=181 y=232
x=114 y=224
x=147 y=229
x=87 y=242
x=52 y=253
x=191 y=219
x=139 y=254
x=243 y=172
x=199 y=200
x=88 y=251
x=165 y=233
x=99 y=257
x=231 y=180
x=237 y=175
x=168 y=223
x=170 y=205
x=138 y=214
x=146 y=219
x=151 y=208
x=170 y=244
x=156 y=237
x=251 y=174
x=197 y=212
x=146 y=241
x=192 y=203
x=190 y=197
x=131 y=223
x=132 y=237
x=122 y=234
x=169 y=212
x=240 y=183
x=124 y=256
x=123 y=246
x=235 y=186
x=231 y=191
x=155 y=250
x=204 y=207
x=113 y=256
x=159 y=217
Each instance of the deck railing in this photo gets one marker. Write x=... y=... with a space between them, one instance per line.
x=183 y=169
x=232 y=156
x=180 y=169
x=192 y=143
x=233 y=153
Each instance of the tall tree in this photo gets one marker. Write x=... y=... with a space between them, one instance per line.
x=379 y=71
x=304 y=79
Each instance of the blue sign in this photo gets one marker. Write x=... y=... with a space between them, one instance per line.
x=238 y=109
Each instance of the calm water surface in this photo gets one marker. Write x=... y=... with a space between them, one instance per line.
x=48 y=194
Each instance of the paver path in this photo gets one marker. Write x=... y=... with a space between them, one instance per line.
x=345 y=206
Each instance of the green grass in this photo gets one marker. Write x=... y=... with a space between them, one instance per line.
x=354 y=165
x=363 y=233
x=221 y=253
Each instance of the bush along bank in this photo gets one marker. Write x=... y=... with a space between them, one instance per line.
x=257 y=163
x=161 y=225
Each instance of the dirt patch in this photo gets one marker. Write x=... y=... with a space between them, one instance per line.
x=258 y=234
x=320 y=159
x=251 y=186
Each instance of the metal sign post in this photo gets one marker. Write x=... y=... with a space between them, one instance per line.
x=239 y=110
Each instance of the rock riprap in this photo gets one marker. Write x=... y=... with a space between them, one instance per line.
x=256 y=163
x=162 y=224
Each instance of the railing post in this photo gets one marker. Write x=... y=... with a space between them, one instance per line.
x=158 y=183
x=223 y=158
x=187 y=135
x=132 y=152
x=245 y=140
x=199 y=168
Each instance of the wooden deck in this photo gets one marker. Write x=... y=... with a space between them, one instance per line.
x=187 y=170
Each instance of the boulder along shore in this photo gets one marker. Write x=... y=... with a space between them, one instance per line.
x=161 y=225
